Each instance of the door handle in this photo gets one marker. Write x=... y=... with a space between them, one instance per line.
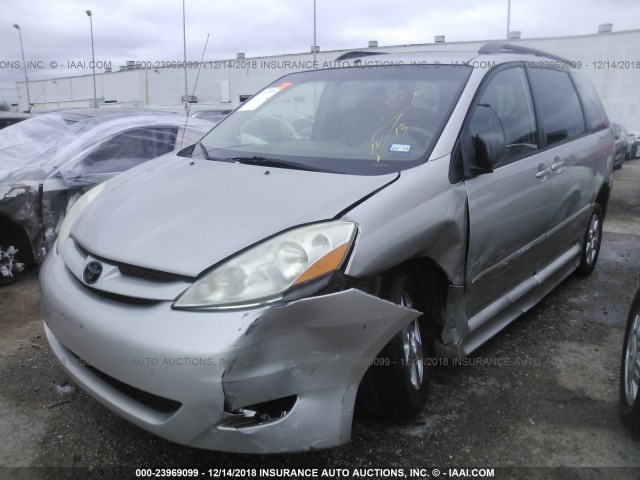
x=557 y=165
x=543 y=173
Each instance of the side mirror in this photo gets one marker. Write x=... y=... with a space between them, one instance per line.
x=489 y=149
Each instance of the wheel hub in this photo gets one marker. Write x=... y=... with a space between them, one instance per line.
x=593 y=239
x=413 y=358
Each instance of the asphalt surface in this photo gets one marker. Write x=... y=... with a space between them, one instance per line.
x=541 y=395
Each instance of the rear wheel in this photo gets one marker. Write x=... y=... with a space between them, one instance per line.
x=592 y=241
x=396 y=387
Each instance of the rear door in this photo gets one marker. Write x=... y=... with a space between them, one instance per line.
x=575 y=149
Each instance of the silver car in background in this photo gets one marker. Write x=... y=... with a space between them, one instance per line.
x=324 y=241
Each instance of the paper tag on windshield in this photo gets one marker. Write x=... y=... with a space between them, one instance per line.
x=258 y=99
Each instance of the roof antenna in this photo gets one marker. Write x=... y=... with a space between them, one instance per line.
x=194 y=89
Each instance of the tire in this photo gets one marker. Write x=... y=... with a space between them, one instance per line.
x=630 y=370
x=4 y=281
x=591 y=244
x=398 y=390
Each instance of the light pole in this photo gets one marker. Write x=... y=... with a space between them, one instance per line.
x=93 y=62
x=508 y=18
x=315 y=45
x=24 y=64
x=184 y=44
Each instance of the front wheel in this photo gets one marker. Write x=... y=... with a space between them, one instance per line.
x=630 y=370
x=396 y=388
x=592 y=241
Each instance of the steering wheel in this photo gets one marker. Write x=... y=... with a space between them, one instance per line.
x=258 y=127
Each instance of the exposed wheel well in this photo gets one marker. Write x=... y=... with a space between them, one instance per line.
x=433 y=284
x=603 y=198
x=13 y=234
x=384 y=392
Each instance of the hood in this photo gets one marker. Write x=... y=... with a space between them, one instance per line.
x=182 y=216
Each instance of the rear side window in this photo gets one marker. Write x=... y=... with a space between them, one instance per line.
x=560 y=108
x=596 y=116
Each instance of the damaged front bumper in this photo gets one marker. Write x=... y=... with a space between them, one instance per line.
x=273 y=379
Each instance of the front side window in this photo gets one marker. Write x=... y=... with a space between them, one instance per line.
x=560 y=108
x=359 y=120
x=505 y=107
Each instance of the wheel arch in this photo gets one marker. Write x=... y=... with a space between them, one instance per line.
x=603 y=198
x=432 y=282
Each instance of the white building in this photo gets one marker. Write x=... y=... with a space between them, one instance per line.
x=611 y=60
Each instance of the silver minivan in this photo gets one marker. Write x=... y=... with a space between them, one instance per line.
x=325 y=241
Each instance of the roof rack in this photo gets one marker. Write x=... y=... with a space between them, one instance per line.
x=357 y=54
x=497 y=47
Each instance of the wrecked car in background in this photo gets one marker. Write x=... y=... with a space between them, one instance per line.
x=48 y=161
x=324 y=241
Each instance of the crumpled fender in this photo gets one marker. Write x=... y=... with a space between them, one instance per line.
x=318 y=349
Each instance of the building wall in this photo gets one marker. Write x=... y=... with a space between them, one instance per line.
x=611 y=61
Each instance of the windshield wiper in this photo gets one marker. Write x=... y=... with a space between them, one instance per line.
x=275 y=162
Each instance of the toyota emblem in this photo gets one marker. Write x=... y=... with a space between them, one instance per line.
x=92 y=272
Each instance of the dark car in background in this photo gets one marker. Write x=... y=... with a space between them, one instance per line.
x=9 y=118
x=634 y=142
x=46 y=162
x=621 y=145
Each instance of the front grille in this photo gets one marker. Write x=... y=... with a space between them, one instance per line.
x=148 y=274
x=142 y=273
x=138 y=302
x=155 y=402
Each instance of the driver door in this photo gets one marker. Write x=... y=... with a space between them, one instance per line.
x=509 y=207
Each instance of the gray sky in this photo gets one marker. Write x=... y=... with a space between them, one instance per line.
x=142 y=30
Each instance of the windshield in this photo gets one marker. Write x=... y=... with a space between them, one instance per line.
x=358 y=120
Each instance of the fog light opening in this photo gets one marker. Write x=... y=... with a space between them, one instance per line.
x=259 y=413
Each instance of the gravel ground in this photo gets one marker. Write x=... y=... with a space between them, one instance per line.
x=542 y=394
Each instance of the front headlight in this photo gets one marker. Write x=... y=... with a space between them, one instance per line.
x=263 y=273
x=74 y=213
